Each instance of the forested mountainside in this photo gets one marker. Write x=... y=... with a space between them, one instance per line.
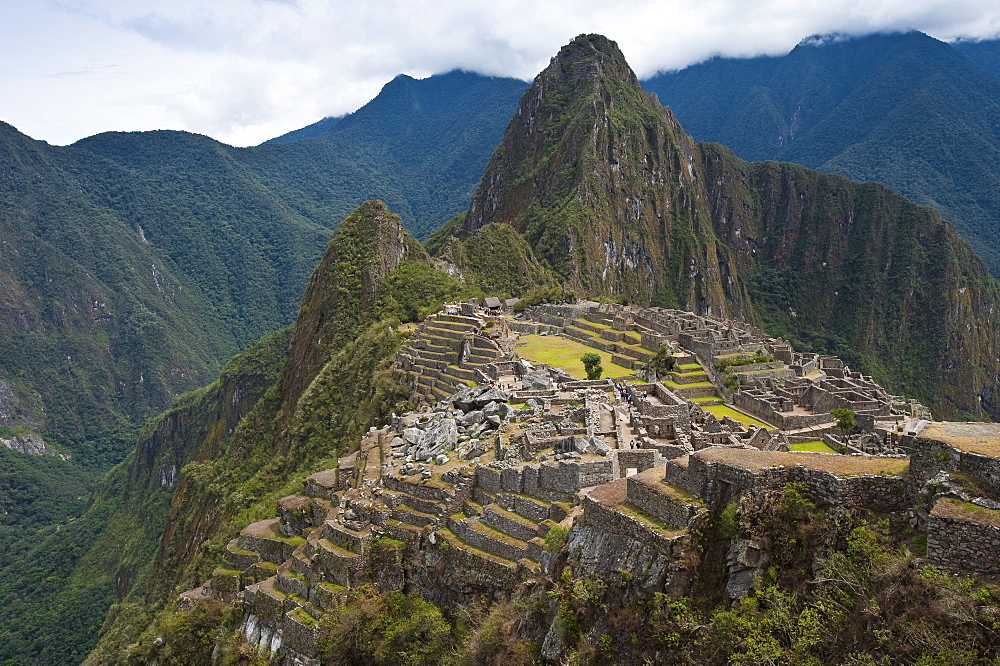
x=326 y=386
x=136 y=263
x=419 y=145
x=906 y=110
x=133 y=265
x=611 y=193
x=984 y=54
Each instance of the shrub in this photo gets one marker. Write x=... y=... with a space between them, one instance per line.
x=592 y=364
x=555 y=538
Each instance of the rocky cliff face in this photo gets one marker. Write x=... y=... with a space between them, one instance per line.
x=611 y=193
x=341 y=296
x=603 y=183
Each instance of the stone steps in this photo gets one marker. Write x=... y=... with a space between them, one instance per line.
x=489 y=558
x=333 y=563
x=638 y=354
x=531 y=507
x=484 y=344
x=328 y=596
x=669 y=504
x=480 y=535
x=458 y=375
x=510 y=523
x=440 y=324
x=241 y=558
x=346 y=538
x=457 y=318
x=431 y=344
x=586 y=326
x=258 y=572
x=291 y=582
x=323 y=485
x=431 y=507
x=689 y=377
x=402 y=531
x=407 y=516
x=579 y=334
x=446 y=358
x=265 y=538
x=226 y=583
x=267 y=602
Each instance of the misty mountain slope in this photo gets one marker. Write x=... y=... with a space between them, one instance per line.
x=904 y=110
x=420 y=145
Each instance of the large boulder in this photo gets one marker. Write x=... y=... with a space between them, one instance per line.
x=439 y=436
x=477 y=397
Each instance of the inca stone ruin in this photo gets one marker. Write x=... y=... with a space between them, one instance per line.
x=458 y=497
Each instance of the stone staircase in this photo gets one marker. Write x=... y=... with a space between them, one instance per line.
x=444 y=355
x=508 y=527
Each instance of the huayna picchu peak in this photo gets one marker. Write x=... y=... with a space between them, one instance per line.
x=642 y=402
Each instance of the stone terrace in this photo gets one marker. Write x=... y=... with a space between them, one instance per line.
x=475 y=484
x=446 y=351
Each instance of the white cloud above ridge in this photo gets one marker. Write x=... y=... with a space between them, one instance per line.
x=243 y=71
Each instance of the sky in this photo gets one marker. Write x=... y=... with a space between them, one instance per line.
x=244 y=71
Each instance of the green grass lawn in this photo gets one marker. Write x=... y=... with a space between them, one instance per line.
x=710 y=398
x=563 y=353
x=816 y=446
x=726 y=410
x=687 y=367
x=674 y=385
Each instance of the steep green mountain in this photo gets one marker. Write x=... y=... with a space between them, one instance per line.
x=613 y=196
x=984 y=54
x=97 y=325
x=904 y=110
x=812 y=255
x=136 y=263
x=224 y=453
x=57 y=589
x=420 y=145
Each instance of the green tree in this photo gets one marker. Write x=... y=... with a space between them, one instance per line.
x=592 y=364
x=663 y=360
x=845 y=419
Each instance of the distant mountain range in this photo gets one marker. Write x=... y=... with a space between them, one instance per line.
x=905 y=110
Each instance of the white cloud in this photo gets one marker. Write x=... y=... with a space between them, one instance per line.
x=245 y=70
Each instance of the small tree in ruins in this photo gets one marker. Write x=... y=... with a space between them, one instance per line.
x=845 y=419
x=663 y=360
x=592 y=364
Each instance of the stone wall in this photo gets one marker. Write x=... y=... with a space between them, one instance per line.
x=673 y=513
x=928 y=457
x=680 y=473
x=597 y=515
x=723 y=482
x=638 y=459
x=963 y=545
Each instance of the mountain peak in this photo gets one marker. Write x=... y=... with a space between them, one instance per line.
x=582 y=173
x=589 y=57
x=368 y=245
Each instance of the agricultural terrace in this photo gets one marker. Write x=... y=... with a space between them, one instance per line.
x=753 y=460
x=815 y=446
x=725 y=410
